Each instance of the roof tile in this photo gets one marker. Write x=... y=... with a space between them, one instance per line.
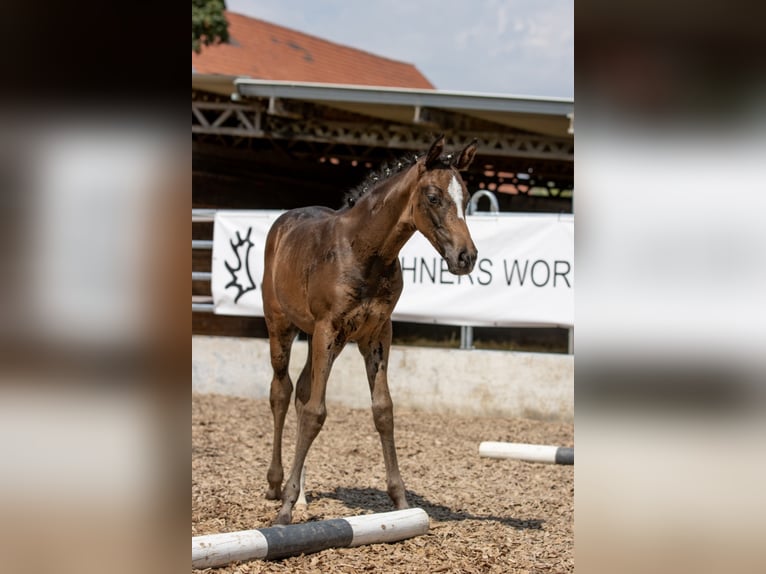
x=262 y=50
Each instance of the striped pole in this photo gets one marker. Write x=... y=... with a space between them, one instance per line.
x=528 y=452
x=283 y=541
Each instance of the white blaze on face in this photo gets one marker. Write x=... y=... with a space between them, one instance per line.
x=455 y=191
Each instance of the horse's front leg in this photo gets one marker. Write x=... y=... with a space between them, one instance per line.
x=375 y=351
x=325 y=347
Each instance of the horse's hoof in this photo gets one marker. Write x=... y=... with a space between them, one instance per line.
x=273 y=494
x=281 y=520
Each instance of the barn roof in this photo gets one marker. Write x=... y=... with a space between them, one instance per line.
x=262 y=50
x=539 y=115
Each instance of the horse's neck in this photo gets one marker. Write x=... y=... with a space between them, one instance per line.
x=383 y=223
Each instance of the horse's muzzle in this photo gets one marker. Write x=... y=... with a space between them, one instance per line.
x=464 y=262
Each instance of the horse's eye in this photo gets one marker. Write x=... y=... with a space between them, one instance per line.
x=433 y=199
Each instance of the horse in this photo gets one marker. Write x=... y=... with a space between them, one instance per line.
x=335 y=275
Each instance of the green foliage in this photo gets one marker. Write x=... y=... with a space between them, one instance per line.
x=209 y=25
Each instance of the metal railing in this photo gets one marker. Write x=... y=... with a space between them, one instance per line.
x=466 y=331
x=202 y=303
x=494 y=206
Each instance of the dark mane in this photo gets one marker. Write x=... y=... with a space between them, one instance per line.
x=375 y=178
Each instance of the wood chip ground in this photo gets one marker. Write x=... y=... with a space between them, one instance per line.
x=486 y=515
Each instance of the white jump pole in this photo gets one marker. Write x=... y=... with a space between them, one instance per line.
x=282 y=541
x=528 y=452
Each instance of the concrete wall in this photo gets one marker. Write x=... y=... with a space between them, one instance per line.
x=477 y=382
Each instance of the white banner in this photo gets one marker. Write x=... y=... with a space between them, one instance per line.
x=524 y=275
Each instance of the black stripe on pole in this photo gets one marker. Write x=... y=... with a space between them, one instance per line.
x=565 y=455
x=309 y=537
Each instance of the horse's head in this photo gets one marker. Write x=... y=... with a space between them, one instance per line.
x=439 y=203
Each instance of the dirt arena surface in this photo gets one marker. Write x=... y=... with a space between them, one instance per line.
x=486 y=515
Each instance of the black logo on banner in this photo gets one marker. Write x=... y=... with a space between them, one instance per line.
x=241 y=279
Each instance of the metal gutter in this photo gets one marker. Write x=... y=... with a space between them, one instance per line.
x=403 y=96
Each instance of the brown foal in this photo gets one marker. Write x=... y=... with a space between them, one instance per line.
x=335 y=275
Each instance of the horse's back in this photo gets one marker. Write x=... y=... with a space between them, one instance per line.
x=296 y=223
x=300 y=216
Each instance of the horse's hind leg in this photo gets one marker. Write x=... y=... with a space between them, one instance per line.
x=326 y=345
x=375 y=352
x=302 y=394
x=280 y=342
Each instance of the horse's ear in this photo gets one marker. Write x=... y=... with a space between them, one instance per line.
x=434 y=152
x=466 y=156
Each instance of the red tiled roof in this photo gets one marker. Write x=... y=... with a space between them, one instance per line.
x=266 y=51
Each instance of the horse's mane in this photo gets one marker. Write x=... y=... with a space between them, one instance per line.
x=374 y=178
x=387 y=171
